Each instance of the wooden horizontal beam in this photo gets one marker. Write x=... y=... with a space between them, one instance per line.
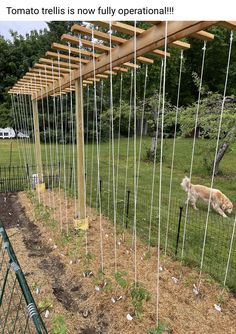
x=228 y=24
x=131 y=65
x=26 y=89
x=94 y=79
x=110 y=72
x=44 y=72
x=69 y=90
x=60 y=64
x=62 y=47
x=181 y=45
x=28 y=80
x=119 y=26
x=102 y=76
x=120 y=69
x=106 y=37
x=26 y=84
x=32 y=82
x=17 y=92
x=21 y=86
x=37 y=87
x=53 y=69
x=131 y=30
x=203 y=35
x=43 y=79
x=149 y=40
x=88 y=82
x=70 y=59
x=97 y=34
x=160 y=53
x=145 y=60
x=59 y=94
x=102 y=47
x=77 y=41
x=43 y=76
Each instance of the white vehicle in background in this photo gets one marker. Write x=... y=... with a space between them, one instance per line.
x=7 y=133
x=22 y=135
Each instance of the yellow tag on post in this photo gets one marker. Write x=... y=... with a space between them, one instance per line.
x=40 y=187
x=81 y=224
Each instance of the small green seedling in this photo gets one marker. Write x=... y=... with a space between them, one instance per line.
x=30 y=195
x=59 y=325
x=53 y=223
x=41 y=212
x=36 y=286
x=161 y=328
x=45 y=304
x=87 y=261
x=119 y=276
x=99 y=277
x=147 y=255
x=65 y=238
x=108 y=287
x=139 y=295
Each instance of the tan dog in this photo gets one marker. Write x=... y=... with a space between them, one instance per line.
x=219 y=202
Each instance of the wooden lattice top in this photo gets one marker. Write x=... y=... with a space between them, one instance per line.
x=88 y=50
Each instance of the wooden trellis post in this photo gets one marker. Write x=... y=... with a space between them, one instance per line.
x=38 y=158
x=80 y=221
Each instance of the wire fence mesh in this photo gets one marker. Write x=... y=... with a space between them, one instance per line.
x=18 y=312
x=173 y=218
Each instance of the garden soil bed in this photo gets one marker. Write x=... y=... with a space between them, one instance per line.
x=57 y=263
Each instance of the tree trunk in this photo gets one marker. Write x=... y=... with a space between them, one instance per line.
x=145 y=130
x=220 y=154
x=229 y=138
x=154 y=141
x=153 y=146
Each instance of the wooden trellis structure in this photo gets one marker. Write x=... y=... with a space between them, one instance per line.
x=87 y=52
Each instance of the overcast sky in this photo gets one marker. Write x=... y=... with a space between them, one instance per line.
x=22 y=27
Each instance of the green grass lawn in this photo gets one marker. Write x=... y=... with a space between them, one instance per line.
x=219 y=229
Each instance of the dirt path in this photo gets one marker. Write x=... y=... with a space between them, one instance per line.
x=50 y=263
x=43 y=267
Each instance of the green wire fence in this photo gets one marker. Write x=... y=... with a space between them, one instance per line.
x=18 y=312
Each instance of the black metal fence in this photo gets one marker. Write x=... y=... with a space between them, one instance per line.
x=173 y=217
x=18 y=178
x=188 y=245
x=18 y=312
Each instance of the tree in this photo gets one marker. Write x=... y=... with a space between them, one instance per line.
x=19 y=54
x=208 y=124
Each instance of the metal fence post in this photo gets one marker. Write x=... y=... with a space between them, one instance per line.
x=70 y=182
x=178 y=232
x=100 y=189
x=127 y=208
x=14 y=265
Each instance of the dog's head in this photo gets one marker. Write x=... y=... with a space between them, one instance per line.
x=228 y=207
x=185 y=184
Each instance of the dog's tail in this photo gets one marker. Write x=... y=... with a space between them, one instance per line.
x=185 y=184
